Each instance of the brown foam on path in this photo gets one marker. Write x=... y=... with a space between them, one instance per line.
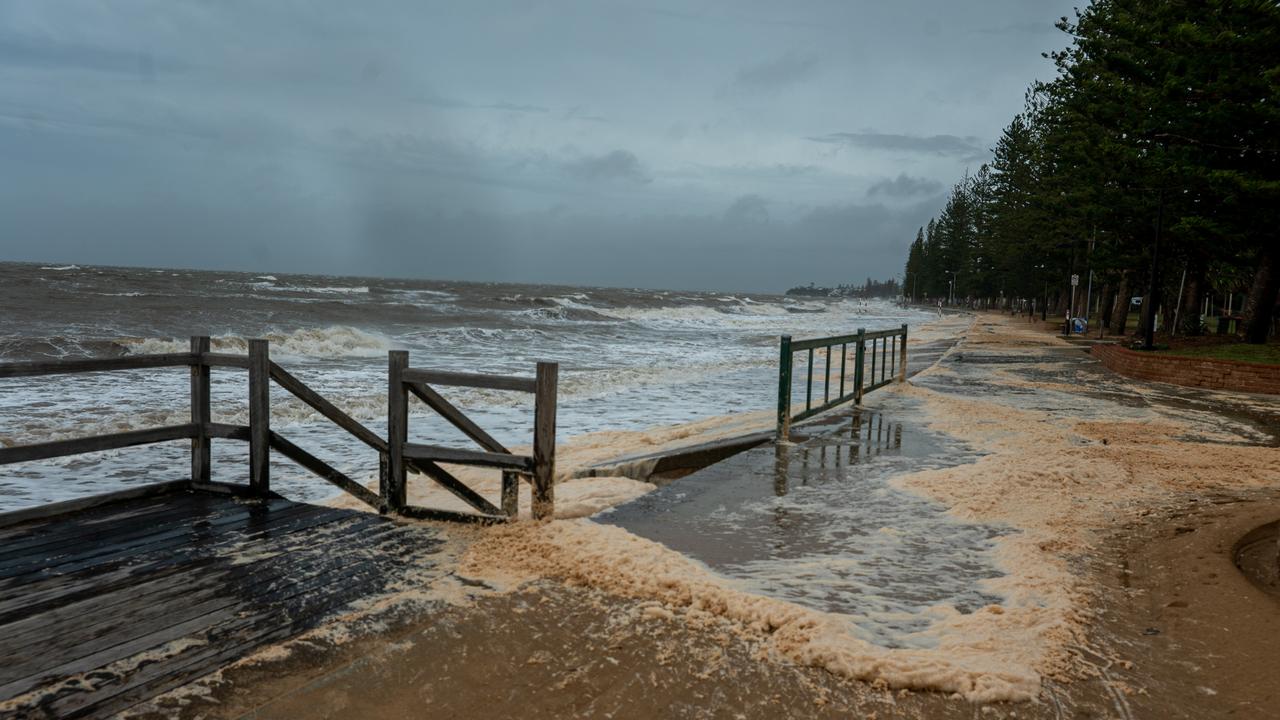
x=546 y=652
x=583 y=553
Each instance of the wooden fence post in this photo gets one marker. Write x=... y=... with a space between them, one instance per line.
x=784 y=388
x=397 y=430
x=200 y=411
x=259 y=417
x=902 y=363
x=544 y=441
x=859 y=356
x=510 y=493
x=384 y=481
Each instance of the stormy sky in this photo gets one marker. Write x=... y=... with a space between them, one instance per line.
x=683 y=144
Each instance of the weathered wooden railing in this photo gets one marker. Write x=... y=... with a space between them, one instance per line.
x=404 y=456
x=394 y=457
x=885 y=351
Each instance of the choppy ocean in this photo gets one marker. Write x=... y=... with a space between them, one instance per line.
x=630 y=359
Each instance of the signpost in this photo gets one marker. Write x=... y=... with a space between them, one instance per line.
x=1075 y=282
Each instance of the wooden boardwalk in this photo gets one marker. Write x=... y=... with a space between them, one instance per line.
x=106 y=607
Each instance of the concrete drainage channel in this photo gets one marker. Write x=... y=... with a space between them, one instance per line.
x=664 y=466
x=1257 y=554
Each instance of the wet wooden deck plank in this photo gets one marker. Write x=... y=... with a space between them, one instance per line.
x=110 y=606
x=150 y=540
x=127 y=538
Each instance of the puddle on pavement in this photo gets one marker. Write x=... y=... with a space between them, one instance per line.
x=1099 y=395
x=817 y=523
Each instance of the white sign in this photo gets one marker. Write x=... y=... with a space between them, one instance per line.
x=1075 y=280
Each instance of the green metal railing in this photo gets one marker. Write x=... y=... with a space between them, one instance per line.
x=879 y=357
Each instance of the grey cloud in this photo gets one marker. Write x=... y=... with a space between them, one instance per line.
x=23 y=50
x=579 y=112
x=431 y=138
x=748 y=210
x=1027 y=28
x=433 y=99
x=777 y=170
x=720 y=19
x=904 y=186
x=775 y=74
x=517 y=107
x=619 y=165
x=951 y=145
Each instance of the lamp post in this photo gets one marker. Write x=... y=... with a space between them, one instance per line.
x=951 y=295
x=1044 y=301
x=1153 y=283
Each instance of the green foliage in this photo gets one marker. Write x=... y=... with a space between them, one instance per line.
x=1164 y=117
x=1244 y=352
x=870 y=289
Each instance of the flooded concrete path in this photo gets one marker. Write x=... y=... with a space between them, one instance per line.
x=816 y=522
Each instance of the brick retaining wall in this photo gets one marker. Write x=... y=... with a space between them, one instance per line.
x=1191 y=371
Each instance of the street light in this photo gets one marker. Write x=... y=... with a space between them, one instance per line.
x=1044 y=304
x=951 y=298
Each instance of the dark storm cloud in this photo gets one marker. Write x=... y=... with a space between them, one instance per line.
x=620 y=165
x=933 y=144
x=582 y=143
x=905 y=186
x=775 y=74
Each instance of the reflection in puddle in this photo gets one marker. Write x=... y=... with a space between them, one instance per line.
x=867 y=438
x=817 y=523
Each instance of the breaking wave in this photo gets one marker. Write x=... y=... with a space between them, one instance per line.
x=329 y=342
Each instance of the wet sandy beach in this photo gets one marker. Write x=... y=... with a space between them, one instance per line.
x=1119 y=504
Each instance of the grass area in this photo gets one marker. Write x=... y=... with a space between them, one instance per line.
x=1269 y=353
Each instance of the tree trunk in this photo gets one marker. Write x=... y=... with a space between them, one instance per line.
x=1192 y=300
x=1120 y=307
x=1104 y=305
x=1260 y=306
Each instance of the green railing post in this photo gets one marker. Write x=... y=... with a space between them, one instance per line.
x=784 y=388
x=875 y=350
x=902 y=363
x=859 y=355
x=844 y=353
x=808 y=384
x=826 y=378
